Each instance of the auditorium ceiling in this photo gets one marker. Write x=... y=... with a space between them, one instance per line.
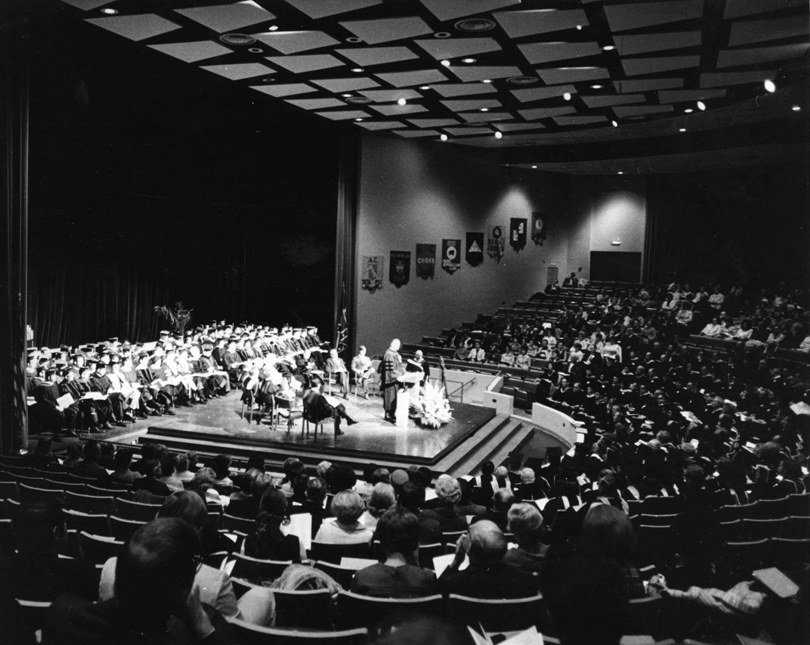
x=546 y=83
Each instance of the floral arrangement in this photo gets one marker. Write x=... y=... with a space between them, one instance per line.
x=179 y=317
x=432 y=409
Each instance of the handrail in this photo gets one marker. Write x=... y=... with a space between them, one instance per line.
x=463 y=384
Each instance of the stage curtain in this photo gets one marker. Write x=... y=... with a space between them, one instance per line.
x=345 y=234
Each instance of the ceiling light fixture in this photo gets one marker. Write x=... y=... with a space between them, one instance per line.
x=534 y=167
x=689 y=110
x=608 y=48
x=354 y=40
x=567 y=96
x=487 y=80
x=499 y=135
x=424 y=87
x=109 y=11
x=442 y=34
x=579 y=27
x=401 y=101
x=446 y=63
x=682 y=130
x=273 y=27
x=770 y=86
x=615 y=124
x=621 y=172
x=443 y=137
x=255 y=50
x=359 y=118
x=346 y=96
x=597 y=87
x=701 y=106
x=796 y=108
x=485 y=109
x=469 y=61
x=358 y=70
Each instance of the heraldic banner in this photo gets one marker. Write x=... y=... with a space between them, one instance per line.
x=517 y=233
x=496 y=242
x=371 y=272
x=475 y=248
x=399 y=272
x=451 y=255
x=539 y=227
x=425 y=261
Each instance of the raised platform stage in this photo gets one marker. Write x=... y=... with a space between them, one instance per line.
x=474 y=435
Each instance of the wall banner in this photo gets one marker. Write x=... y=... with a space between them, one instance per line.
x=371 y=272
x=496 y=242
x=399 y=271
x=475 y=248
x=539 y=227
x=517 y=233
x=451 y=255
x=425 y=261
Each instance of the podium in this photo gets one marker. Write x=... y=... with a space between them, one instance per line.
x=404 y=396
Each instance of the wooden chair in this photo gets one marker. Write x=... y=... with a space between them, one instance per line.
x=497 y=614
x=311 y=609
x=233 y=523
x=656 y=520
x=730 y=513
x=248 y=634
x=253 y=569
x=306 y=420
x=68 y=545
x=732 y=531
x=135 y=510
x=334 y=553
x=123 y=529
x=451 y=537
x=34 y=494
x=93 y=504
x=32 y=617
x=770 y=509
x=342 y=575
x=427 y=552
x=798 y=528
x=108 y=490
x=800 y=504
x=381 y=614
x=661 y=506
x=99 y=549
x=94 y=524
x=759 y=529
x=55 y=484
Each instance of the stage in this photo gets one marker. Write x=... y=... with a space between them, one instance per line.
x=220 y=427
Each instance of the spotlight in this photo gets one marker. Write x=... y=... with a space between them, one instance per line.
x=443 y=137
x=499 y=135
x=682 y=130
x=688 y=110
x=770 y=86
x=487 y=80
x=615 y=124
x=567 y=96
x=401 y=101
x=469 y=61
x=446 y=63
x=596 y=87
x=424 y=87
x=796 y=108
x=359 y=119
x=485 y=109
x=109 y=11
x=608 y=48
x=273 y=27
x=701 y=106
x=621 y=172
x=579 y=27
x=358 y=70
x=534 y=167
x=346 y=96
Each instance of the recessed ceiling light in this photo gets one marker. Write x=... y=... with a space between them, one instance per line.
x=487 y=80
x=359 y=118
x=443 y=137
x=424 y=87
x=682 y=130
x=770 y=86
x=442 y=34
x=354 y=40
x=401 y=101
x=701 y=105
x=475 y=24
x=534 y=167
x=615 y=124
x=273 y=27
x=567 y=96
x=485 y=109
x=469 y=61
x=796 y=108
x=446 y=63
x=608 y=48
x=689 y=110
x=499 y=135
x=345 y=96
x=597 y=87
x=255 y=50
x=621 y=172
x=109 y=11
x=269 y=79
x=579 y=27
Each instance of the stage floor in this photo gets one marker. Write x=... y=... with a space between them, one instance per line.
x=221 y=420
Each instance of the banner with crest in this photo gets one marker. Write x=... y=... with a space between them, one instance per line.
x=371 y=273
x=496 y=242
x=399 y=271
x=425 y=261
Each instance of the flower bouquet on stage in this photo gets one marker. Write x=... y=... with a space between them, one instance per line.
x=431 y=408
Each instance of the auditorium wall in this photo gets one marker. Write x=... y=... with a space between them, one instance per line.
x=423 y=192
x=608 y=213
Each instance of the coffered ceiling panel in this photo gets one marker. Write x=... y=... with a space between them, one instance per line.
x=565 y=69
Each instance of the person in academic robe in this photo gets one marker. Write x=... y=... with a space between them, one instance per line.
x=48 y=409
x=418 y=364
x=390 y=369
x=101 y=383
x=96 y=413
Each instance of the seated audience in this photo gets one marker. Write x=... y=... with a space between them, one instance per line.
x=448 y=494
x=345 y=528
x=382 y=498
x=268 y=541
x=526 y=523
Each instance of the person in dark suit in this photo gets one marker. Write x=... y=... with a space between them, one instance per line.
x=317 y=408
x=487 y=576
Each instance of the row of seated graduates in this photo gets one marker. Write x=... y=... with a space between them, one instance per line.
x=136 y=380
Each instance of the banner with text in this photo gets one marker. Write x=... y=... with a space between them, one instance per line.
x=451 y=255
x=399 y=271
x=425 y=261
x=372 y=272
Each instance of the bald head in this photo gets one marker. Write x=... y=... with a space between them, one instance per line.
x=395 y=345
x=487 y=543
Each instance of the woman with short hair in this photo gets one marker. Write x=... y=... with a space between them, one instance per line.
x=344 y=528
